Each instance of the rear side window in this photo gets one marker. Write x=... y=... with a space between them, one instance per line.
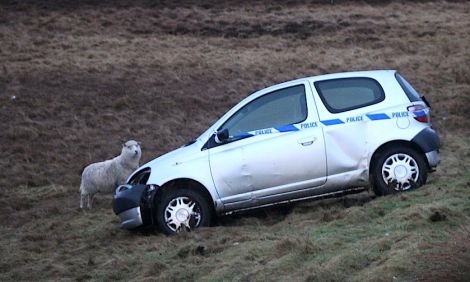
x=345 y=94
x=412 y=94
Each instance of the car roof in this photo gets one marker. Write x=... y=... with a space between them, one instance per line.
x=369 y=73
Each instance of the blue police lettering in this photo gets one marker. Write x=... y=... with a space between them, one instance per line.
x=263 y=131
x=308 y=125
x=354 y=119
x=400 y=114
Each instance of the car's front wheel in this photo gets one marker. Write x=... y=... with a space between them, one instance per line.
x=398 y=169
x=182 y=209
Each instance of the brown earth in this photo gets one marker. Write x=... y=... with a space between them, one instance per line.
x=78 y=78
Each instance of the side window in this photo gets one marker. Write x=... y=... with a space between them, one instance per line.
x=278 y=108
x=344 y=94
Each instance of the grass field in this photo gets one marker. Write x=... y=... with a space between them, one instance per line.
x=79 y=77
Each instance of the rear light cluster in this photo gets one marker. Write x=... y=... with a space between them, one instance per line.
x=419 y=113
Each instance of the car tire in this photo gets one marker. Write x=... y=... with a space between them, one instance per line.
x=398 y=169
x=182 y=209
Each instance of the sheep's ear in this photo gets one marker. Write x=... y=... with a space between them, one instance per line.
x=140 y=143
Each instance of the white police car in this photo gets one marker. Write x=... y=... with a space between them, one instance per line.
x=300 y=139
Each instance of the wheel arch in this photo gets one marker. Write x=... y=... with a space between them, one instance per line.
x=187 y=183
x=395 y=143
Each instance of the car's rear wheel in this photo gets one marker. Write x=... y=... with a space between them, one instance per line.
x=182 y=209
x=398 y=169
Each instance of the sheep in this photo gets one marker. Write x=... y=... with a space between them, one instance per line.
x=105 y=176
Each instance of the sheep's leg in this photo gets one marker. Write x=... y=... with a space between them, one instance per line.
x=82 y=200
x=90 y=200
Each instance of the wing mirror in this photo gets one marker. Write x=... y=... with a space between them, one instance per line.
x=221 y=136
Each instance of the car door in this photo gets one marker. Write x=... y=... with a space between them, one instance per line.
x=344 y=105
x=275 y=146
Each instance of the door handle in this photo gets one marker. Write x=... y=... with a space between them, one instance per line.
x=307 y=141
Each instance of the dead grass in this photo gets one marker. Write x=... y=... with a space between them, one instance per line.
x=368 y=240
x=79 y=77
x=450 y=259
x=83 y=82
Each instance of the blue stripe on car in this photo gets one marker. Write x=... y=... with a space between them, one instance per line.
x=286 y=128
x=379 y=116
x=332 y=121
x=328 y=122
x=246 y=134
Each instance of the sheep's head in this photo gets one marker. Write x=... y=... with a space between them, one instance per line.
x=131 y=150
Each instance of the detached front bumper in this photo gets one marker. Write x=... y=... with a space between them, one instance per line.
x=131 y=218
x=133 y=205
